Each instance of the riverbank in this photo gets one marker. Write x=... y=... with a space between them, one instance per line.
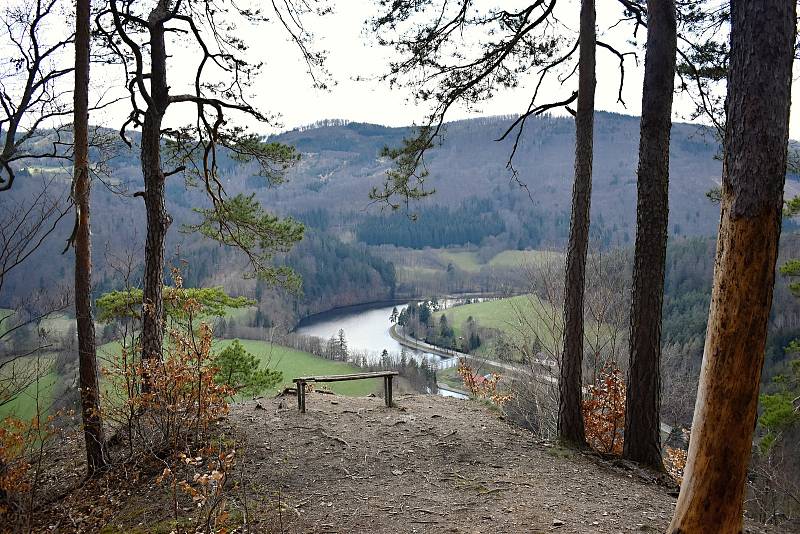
x=452 y=355
x=399 y=301
x=453 y=391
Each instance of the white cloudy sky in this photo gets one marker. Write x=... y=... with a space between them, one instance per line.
x=284 y=87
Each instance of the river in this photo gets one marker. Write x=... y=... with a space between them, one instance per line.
x=366 y=329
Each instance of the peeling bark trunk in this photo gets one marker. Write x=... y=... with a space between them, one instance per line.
x=87 y=348
x=756 y=137
x=570 y=416
x=158 y=221
x=643 y=400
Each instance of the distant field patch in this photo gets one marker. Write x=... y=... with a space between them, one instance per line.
x=470 y=260
x=414 y=272
x=508 y=315
x=40 y=393
x=48 y=170
x=464 y=260
x=521 y=319
x=246 y=314
x=57 y=323
x=520 y=258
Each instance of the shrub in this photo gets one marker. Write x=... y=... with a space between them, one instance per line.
x=484 y=387
x=604 y=411
x=239 y=370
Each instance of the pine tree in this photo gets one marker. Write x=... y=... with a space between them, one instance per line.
x=341 y=346
x=87 y=347
x=570 y=416
x=643 y=398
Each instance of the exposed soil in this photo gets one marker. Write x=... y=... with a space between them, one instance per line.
x=435 y=464
x=351 y=465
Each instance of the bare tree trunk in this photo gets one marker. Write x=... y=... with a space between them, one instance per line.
x=570 y=417
x=87 y=349
x=643 y=399
x=756 y=137
x=158 y=220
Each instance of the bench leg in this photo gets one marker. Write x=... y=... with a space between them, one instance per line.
x=297 y=386
x=387 y=391
x=301 y=397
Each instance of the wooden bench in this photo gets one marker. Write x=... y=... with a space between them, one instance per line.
x=300 y=384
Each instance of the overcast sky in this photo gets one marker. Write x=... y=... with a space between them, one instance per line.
x=355 y=61
x=285 y=87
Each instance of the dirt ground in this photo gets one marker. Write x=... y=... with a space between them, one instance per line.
x=434 y=464
x=351 y=465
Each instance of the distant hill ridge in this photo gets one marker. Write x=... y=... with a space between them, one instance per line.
x=340 y=163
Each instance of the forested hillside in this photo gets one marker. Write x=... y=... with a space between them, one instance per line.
x=340 y=162
x=476 y=203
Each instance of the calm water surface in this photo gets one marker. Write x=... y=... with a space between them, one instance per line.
x=366 y=329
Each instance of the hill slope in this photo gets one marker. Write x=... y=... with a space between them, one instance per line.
x=340 y=163
x=475 y=201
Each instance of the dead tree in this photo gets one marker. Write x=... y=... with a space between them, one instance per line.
x=33 y=106
x=32 y=109
x=754 y=171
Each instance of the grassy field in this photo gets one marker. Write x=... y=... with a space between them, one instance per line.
x=506 y=315
x=247 y=313
x=519 y=258
x=470 y=261
x=292 y=363
x=517 y=317
x=464 y=260
x=25 y=405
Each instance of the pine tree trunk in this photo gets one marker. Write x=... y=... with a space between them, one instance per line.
x=756 y=137
x=643 y=399
x=158 y=221
x=87 y=349
x=570 y=417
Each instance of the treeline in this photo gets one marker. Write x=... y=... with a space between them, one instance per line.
x=504 y=220
x=687 y=296
x=338 y=274
x=421 y=374
x=333 y=274
x=433 y=226
x=417 y=320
